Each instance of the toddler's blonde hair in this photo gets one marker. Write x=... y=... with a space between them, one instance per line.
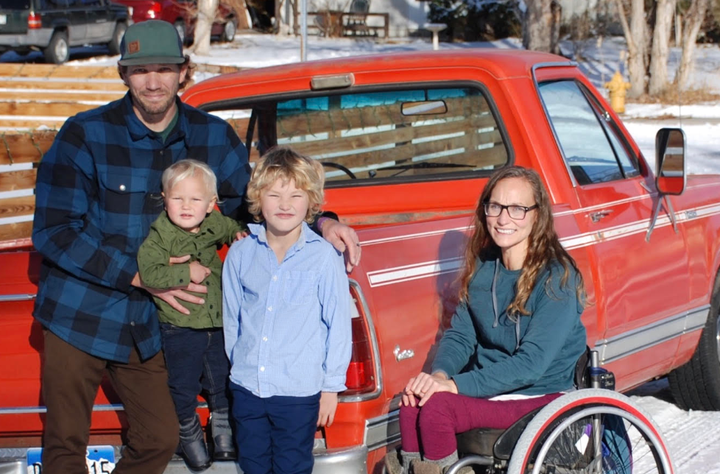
x=186 y=168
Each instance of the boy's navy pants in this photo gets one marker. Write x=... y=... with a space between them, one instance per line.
x=274 y=434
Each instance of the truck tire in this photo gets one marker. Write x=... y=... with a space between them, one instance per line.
x=58 y=51
x=229 y=30
x=114 y=44
x=696 y=385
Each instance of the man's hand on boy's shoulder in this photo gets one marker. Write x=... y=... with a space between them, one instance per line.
x=328 y=406
x=344 y=239
x=172 y=295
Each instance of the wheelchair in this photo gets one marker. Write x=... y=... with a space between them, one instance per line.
x=590 y=430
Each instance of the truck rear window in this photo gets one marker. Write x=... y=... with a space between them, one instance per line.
x=369 y=136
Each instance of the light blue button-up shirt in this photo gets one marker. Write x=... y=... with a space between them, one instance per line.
x=287 y=326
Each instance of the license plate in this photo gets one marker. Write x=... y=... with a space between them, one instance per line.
x=3 y=19
x=100 y=460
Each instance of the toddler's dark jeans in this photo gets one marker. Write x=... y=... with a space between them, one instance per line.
x=196 y=362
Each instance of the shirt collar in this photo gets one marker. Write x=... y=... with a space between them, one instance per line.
x=139 y=130
x=258 y=231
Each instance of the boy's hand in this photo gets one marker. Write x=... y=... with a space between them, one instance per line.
x=328 y=405
x=198 y=272
x=170 y=296
x=344 y=239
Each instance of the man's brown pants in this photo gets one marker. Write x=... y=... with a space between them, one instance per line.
x=70 y=382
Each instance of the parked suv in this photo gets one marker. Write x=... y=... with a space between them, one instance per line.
x=183 y=14
x=53 y=26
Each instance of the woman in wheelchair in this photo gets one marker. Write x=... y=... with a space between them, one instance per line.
x=516 y=334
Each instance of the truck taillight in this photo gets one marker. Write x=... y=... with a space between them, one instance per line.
x=154 y=11
x=361 y=377
x=34 y=21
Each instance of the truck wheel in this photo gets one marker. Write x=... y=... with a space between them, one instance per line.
x=114 y=44
x=696 y=385
x=58 y=51
x=228 y=33
x=180 y=28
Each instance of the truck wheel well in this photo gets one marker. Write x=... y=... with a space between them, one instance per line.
x=696 y=385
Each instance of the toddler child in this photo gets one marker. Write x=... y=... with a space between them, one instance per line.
x=286 y=314
x=192 y=343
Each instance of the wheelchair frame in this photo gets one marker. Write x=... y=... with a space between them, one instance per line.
x=549 y=423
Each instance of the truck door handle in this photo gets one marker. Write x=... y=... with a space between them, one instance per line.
x=402 y=355
x=597 y=216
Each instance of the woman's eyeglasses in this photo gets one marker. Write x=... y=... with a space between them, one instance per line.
x=493 y=209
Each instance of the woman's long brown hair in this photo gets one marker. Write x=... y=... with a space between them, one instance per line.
x=543 y=244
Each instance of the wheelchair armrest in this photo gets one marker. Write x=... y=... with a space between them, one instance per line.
x=505 y=444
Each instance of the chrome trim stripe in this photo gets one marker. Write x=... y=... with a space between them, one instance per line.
x=419 y=235
x=388 y=276
x=42 y=409
x=20 y=297
x=375 y=352
x=382 y=430
x=414 y=272
x=628 y=343
x=39 y=409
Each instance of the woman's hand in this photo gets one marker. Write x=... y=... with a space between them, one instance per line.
x=423 y=386
x=328 y=405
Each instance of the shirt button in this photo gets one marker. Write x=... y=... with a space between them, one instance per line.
x=262 y=369
x=274 y=277
x=269 y=308
x=265 y=338
x=122 y=187
x=132 y=323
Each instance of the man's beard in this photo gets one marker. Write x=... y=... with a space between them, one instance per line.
x=154 y=108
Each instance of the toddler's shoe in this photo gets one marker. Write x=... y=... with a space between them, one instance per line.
x=192 y=442
x=222 y=438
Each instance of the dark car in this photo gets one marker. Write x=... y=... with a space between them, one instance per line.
x=183 y=14
x=53 y=26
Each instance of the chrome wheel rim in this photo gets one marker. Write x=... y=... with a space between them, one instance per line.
x=229 y=30
x=180 y=31
x=61 y=50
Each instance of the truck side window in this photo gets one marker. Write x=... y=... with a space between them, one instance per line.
x=591 y=149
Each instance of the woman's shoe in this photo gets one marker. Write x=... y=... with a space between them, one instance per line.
x=392 y=463
x=424 y=467
x=192 y=442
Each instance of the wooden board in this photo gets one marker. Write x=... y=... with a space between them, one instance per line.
x=16 y=180
x=17 y=231
x=28 y=147
x=17 y=206
x=58 y=71
x=44 y=109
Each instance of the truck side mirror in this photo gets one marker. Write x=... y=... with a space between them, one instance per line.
x=670 y=161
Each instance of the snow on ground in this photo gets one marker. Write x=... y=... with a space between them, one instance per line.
x=692 y=436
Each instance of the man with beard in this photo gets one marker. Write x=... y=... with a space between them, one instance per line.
x=98 y=191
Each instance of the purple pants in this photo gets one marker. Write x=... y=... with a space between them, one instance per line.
x=431 y=428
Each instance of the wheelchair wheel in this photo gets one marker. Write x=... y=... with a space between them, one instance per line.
x=591 y=431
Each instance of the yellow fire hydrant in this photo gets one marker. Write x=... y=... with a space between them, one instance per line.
x=618 y=88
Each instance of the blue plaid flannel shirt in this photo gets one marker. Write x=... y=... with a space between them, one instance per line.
x=98 y=191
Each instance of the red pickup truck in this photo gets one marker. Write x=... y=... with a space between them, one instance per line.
x=408 y=141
